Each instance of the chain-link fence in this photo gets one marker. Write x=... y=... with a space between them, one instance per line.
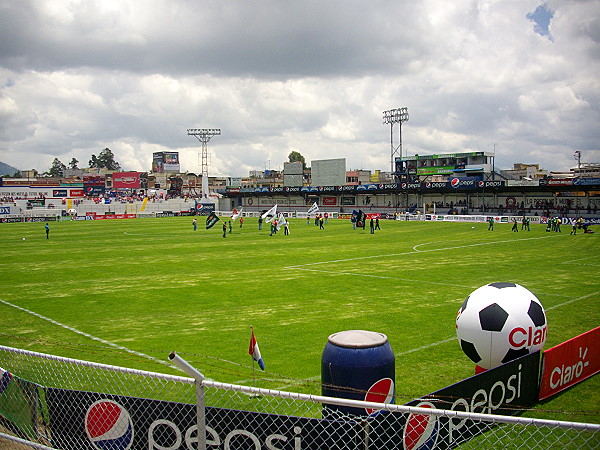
x=53 y=402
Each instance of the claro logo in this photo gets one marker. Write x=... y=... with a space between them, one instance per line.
x=562 y=374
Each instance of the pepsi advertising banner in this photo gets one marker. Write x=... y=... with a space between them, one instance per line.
x=93 y=421
x=204 y=209
x=502 y=390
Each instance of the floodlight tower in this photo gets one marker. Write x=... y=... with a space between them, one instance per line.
x=204 y=135
x=398 y=115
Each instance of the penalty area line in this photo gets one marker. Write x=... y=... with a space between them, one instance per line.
x=82 y=333
x=414 y=251
x=573 y=300
x=424 y=347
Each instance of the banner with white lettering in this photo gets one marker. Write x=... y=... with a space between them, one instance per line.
x=504 y=390
x=94 y=421
x=570 y=363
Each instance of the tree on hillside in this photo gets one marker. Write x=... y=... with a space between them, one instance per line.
x=73 y=164
x=105 y=160
x=295 y=156
x=57 y=169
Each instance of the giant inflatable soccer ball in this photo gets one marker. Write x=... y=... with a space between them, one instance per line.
x=500 y=322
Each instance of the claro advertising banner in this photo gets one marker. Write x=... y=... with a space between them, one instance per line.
x=570 y=363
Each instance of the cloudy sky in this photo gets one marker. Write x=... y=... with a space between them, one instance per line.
x=518 y=77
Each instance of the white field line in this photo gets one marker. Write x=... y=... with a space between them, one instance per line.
x=579 y=259
x=377 y=276
x=418 y=349
x=573 y=300
x=443 y=249
x=75 y=330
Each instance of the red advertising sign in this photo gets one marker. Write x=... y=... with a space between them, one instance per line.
x=330 y=201
x=570 y=362
x=76 y=192
x=126 y=180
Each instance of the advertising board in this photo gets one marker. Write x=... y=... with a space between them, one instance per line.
x=86 y=420
x=502 y=390
x=329 y=201
x=122 y=180
x=570 y=363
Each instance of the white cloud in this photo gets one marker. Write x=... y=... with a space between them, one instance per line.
x=132 y=75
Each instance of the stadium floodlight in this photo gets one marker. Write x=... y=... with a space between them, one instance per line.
x=392 y=116
x=204 y=135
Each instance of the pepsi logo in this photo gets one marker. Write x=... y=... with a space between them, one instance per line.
x=455 y=182
x=109 y=426
x=480 y=183
x=381 y=391
x=421 y=430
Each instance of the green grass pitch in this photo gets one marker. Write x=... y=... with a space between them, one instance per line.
x=152 y=286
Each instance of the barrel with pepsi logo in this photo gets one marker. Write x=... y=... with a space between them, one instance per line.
x=357 y=365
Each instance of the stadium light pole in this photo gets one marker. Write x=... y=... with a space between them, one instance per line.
x=392 y=116
x=204 y=135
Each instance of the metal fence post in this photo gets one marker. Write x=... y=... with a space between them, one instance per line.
x=200 y=407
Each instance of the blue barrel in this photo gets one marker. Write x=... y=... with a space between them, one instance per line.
x=358 y=365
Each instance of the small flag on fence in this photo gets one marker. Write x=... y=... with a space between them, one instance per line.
x=254 y=351
x=313 y=208
x=211 y=220
x=269 y=215
x=5 y=378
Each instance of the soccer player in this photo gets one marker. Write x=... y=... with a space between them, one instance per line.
x=491 y=224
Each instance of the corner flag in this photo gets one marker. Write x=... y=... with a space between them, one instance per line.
x=254 y=351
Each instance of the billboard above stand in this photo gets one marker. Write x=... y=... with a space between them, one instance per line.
x=165 y=162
